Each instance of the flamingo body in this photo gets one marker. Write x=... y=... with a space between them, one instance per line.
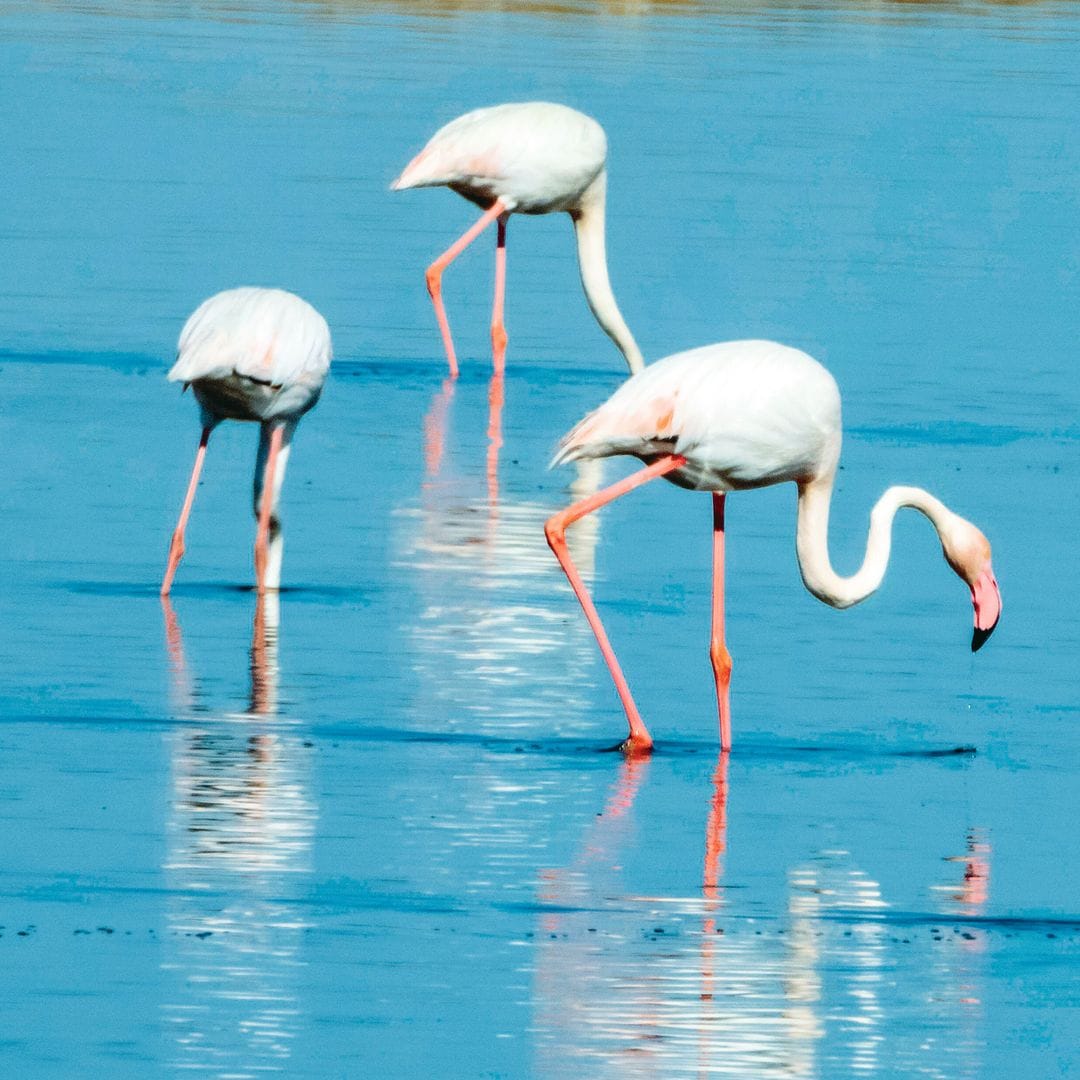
x=747 y=414
x=537 y=157
x=526 y=158
x=744 y=414
x=254 y=354
x=260 y=355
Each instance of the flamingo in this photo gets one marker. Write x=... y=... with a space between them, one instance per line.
x=747 y=414
x=525 y=158
x=252 y=354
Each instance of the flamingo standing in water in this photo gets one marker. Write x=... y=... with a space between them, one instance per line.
x=252 y=354
x=746 y=414
x=528 y=158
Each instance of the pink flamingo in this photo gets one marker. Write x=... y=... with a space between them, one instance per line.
x=746 y=414
x=252 y=354
x=528 y=158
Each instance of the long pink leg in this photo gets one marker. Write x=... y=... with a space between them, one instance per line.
x=262 y=533
x=435 y=271
x=639 y=740
x=721 y=658
x=176 y=548
x=498 y=327
x=499 y=339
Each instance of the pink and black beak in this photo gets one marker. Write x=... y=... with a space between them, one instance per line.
x=986 y=599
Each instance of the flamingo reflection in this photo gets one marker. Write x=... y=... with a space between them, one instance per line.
x=974 y=890
x=632 y=985
x=958 y=972
x=240 y=830
x=685 y=998
x=491 y=636
x=436 y=424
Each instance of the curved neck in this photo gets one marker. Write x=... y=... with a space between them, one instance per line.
x=588 y=220
x=812 y=539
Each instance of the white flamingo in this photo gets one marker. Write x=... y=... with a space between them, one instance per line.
x=527 y=158
x=252 y=354
x=746 y=414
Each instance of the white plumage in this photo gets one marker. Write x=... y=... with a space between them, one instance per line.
x=743 y=413
x=260 y=355
x=267 y=337
x=746 y=414
x=536 y=156
x=527 y=158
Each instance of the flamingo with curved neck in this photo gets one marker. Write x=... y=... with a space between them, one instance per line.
x=528 y=158
x=740 y=415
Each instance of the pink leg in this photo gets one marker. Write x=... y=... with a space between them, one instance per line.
x=498 y=353
x=498 y=327
x=176 y=548
x=435 y=272
x=262 y=534
x=639 y=740
x=721 y=658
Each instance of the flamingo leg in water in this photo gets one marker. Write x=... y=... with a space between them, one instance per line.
x=435 y=271
x=498 y=326
x=639 y=741
x=176 y=548
x=266 y=505
x=721 y=658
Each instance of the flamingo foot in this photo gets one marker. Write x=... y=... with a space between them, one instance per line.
x=635 y=746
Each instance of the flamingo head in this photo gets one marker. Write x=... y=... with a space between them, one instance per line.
x=967 y=551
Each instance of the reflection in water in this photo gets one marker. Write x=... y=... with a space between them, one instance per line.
x=958 y=974
x=491 y=635
x=665 y=991
x=839 y=981
x=239 y=837
x=436 y=423
x=971 y=897
x=665 y=986
x=488 y=645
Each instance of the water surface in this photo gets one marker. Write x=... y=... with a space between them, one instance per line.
x=373 y=829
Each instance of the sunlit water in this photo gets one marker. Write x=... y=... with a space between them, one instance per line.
x=371 y=831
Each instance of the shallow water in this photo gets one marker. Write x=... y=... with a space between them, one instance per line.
x=371 y=829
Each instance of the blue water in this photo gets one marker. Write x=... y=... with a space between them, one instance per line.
x=372 y=830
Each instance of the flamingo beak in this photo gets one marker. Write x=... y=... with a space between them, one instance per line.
x=986 y=599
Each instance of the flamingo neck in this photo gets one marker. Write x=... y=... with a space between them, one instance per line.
x=588 y=220
x=812 y=539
